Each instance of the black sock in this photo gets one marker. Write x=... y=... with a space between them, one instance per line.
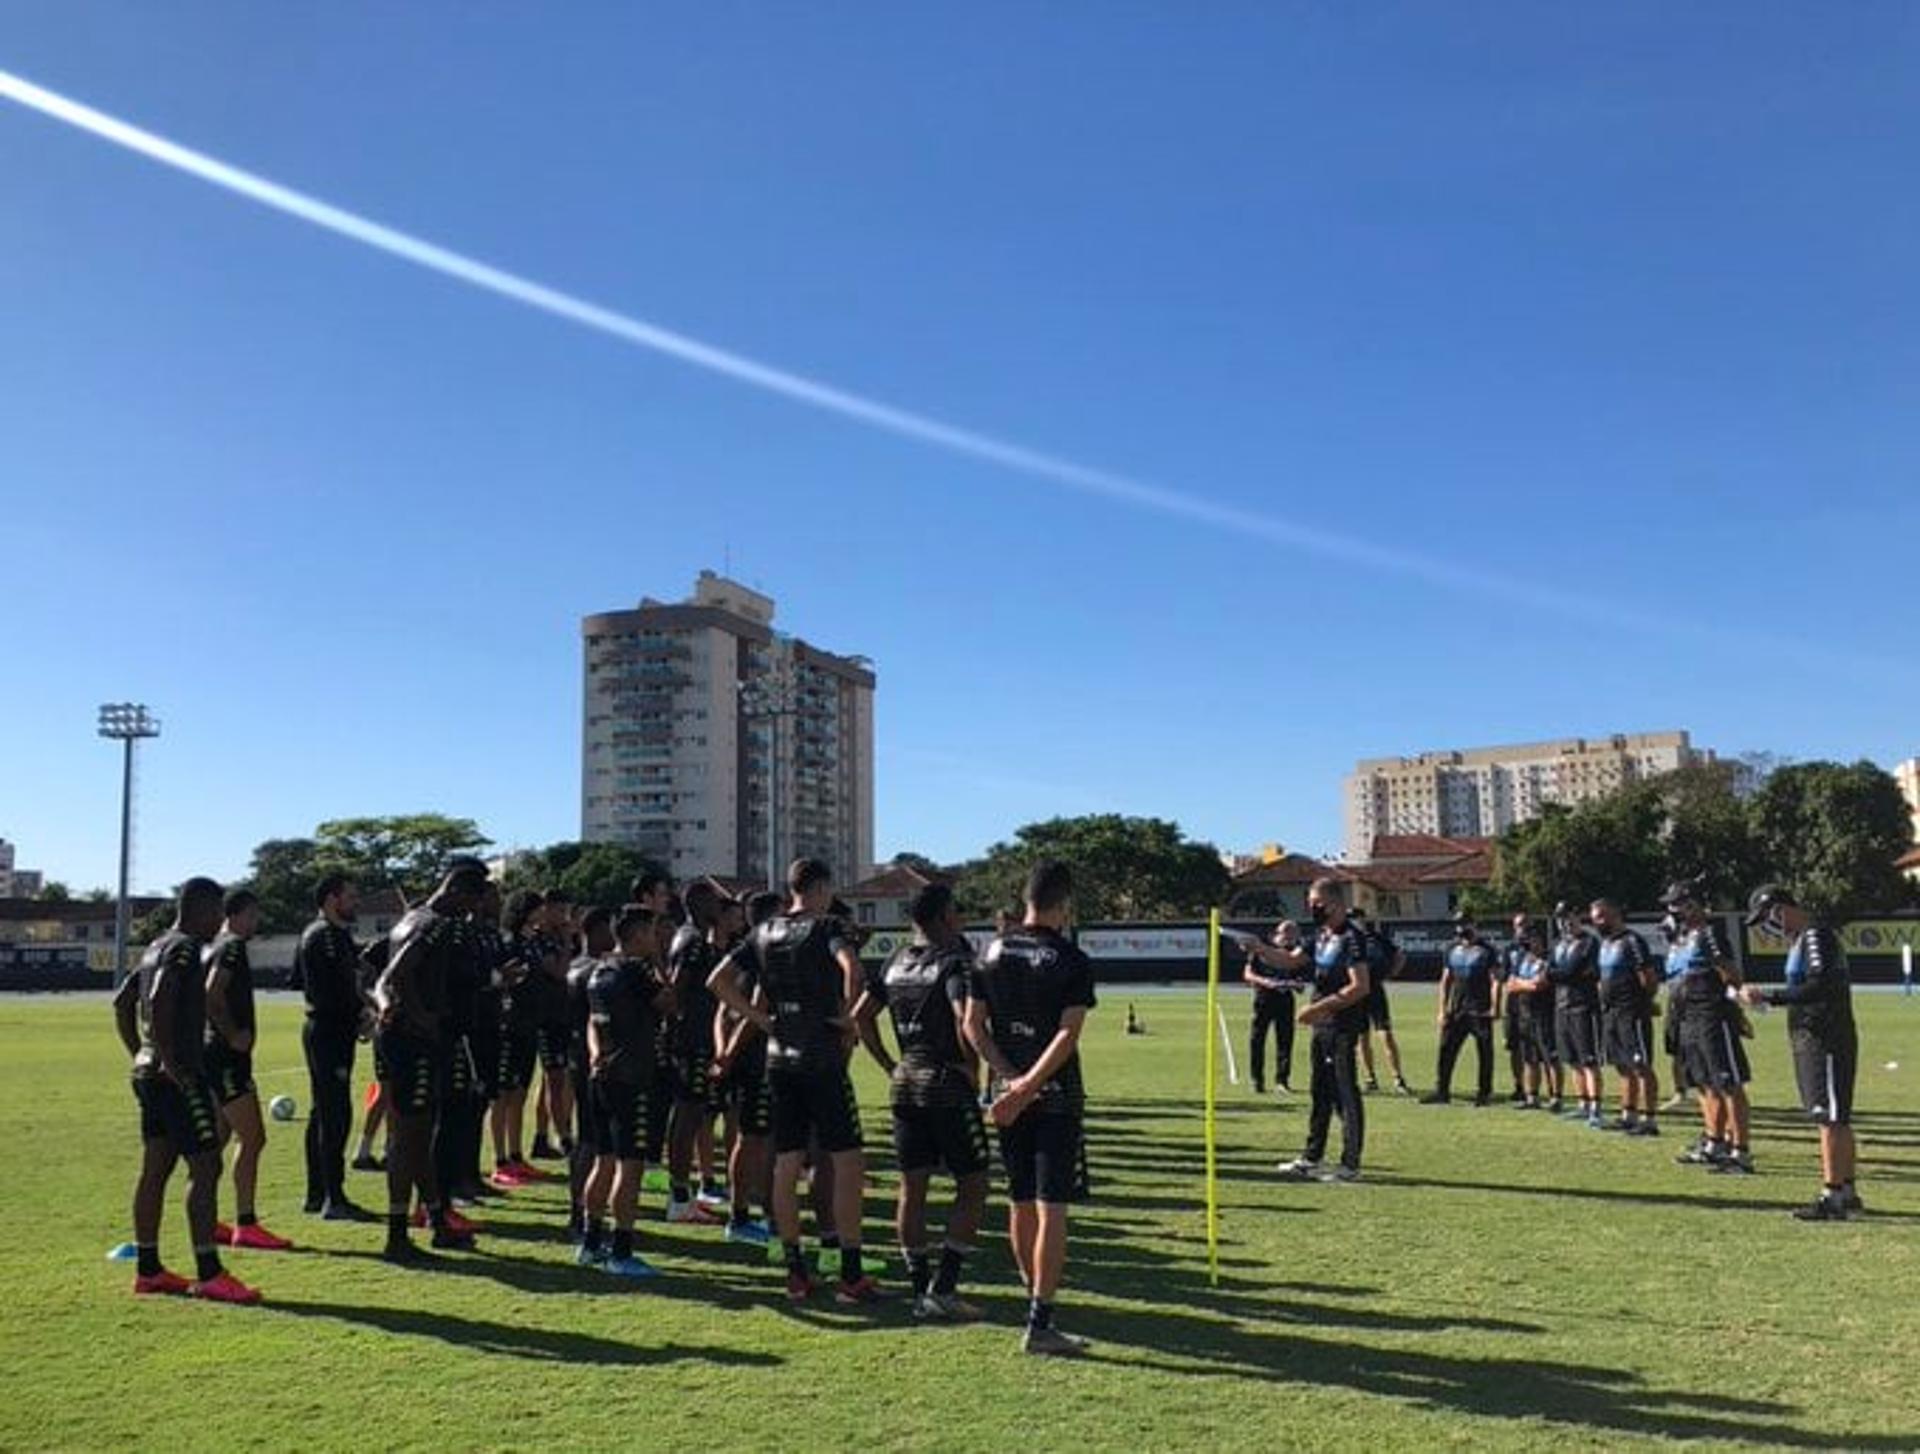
x=437 y=1215
x=1039 y=1315
x=396 y=1228
x=622 y=1243
x=149 y=1260
x=952 y=1260
x=595 y=1236
x=678 y=1190
x=247 y=1219
x=830 y=1241
x=206 y=1263
x=796 y=1258
x=919 y=1269
x=742 y=1214
x=850 y=1264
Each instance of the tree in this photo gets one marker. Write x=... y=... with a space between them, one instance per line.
x=283 y=872
x=1611 y=847
x=55 y=892
x=918 y=862
x=1124 y=868
x=591 y=873
x=1832 y=832
x=151 y=925
x=99 y=896
x=1709 y=834
x=408 y=852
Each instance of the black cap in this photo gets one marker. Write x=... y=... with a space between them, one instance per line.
x=1766 y=897
x=1680 y=891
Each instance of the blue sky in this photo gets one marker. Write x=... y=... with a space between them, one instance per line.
x=1612 y=302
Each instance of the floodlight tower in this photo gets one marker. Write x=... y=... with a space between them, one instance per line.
x=125 y=723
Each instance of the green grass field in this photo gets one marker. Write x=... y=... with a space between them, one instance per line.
x=1500 y=1279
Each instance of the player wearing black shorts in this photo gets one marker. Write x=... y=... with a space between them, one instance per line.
x=1466 y=1010
x=691 y=960
x=230 y=1039
x=1573 y=967
x=1529 y=997
x=1384 y=961
x=1818 y=995
x=1702 y=976
x=1627 y=977
x=1337 y=963
x=1031 y=995
x=740 y=1068
x=524 y=979
x=487 y=950
x=326 y=967
x=625 y=997
x=1272 y=1012
x=597 y=942
x=1511 y=1009
x=161 y=1015
x=456 y=1110
x=409 y=1054
x=807 y=980
x=654 y=892
x=553 y=1108
x=924 y=988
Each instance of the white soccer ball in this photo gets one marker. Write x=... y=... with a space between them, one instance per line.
x=281 y=1108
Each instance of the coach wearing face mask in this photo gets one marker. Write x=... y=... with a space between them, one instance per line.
x=1466 y=1009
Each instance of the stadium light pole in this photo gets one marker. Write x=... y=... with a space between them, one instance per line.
x=125 y=723
x=767 y=698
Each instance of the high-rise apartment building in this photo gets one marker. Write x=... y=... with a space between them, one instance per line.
x=1479 y=792
x=698 y=717
x=1907 y=774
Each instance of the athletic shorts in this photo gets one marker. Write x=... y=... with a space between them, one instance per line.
x=229 y=1072
x=620 y=1116
x=748 y=1096
x=1713 y=1056
x=585 y=1125
x=457 y=1081
x=928 y=1137
x=1670 y=1035
x=693 y=1082
x=1627 y=1031
x=810 y=1104
x=1379 y=1008
x=1825 y=1071
x=1045 y=1154
x=1533 y=1039
x=1516 y=1017
x=515 y=1061
x=185 y=1117
x=407 y=1067
x=1576 y=1032
x=552 y=1043
x=661 y=1089
x=486 y=1064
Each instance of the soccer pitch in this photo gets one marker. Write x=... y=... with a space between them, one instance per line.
x=1500 y=1279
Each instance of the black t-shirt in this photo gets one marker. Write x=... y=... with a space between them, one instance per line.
x=1335 y=953
x=173 y=975
x=1030 y=978
x=326 y=964
x=620 y=1001
x=925 y=988
x=529 y=1002
x=228 y=952
x=1574 y=969
x=1623 y=961
x=1471 y=964
x=1818 y=991
x=1693 y=969
x=487 y=949
x=690 y=960
x=794 y=959
x=424 y=956
x=579 y=1011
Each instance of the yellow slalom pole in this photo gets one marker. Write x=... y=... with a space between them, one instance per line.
x=1207 y=1034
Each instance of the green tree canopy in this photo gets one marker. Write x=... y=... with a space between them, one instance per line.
x=592 y=873
x=408 y=852
x=1832 y=832
x=55 y=892
x=1124 y=868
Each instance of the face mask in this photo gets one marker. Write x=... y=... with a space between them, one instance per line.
x=1776 y=923
x=1319 y=913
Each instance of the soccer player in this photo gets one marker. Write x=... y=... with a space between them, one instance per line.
x=1384 y=961
x=924 y=988
x=229 y=1061
x=488 y=952
x=1530 y=1012
x=653 y=891
x=1466 y=1009
x=740 y=1065
x=1703 y=977
x=326 y=965
x=409 y=1047
x=1337 y=960
x=1573 y=968
x=524 y=980
x=456 y=1106
x=1627 y=978
x=1820 y=1032
x=1272 y=1010
x=1512 y=1010
x=597 y=942
x=161 y=1015
x=1029 y=1004
x=691 y=959
x=553 y=1110
x=808 y=980
x=624 y=999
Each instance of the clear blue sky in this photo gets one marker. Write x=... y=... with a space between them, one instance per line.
x=1617 y=300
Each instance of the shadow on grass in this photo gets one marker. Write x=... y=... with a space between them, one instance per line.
x=517 y=1341
x=1584 y=1397
x=1602 y=1194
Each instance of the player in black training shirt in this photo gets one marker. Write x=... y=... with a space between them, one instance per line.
x=740 y=1068
x=1466 y=1010
x=807 y=979
x=553 y=1110
x=924 y=988
x=625 y=998
x=1272 y=1011
x=1384 y=961
x=409 y=1049
x=1820 y=1032
x=1031 y=996
x=161 y=1015
x=691 y=959
x=1704 y=982
x=326 y=967
x=1627 y=981
x=597 y=942
x=230 y=1035
x=525 y=979
x=1574 y=969
x=456 y=1115
x=1337 y=964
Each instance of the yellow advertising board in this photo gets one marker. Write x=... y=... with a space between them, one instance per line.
x=1863 y=936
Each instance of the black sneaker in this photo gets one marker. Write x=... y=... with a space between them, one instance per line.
x=1851 y=1201
x=1519 y=1097
x=1373 y=1087
x=369 y=1163
x=344 y=1211
x=1823 y=1209
x=1435 y=1098
x=404 y=1254
x=1698 y=1155
x=1556 y=1106
x=313 y=1206
x=1050 y=1342
x=1259 y=1087
x=1737 y=1165
x=447 y=1240
x=1643 y=1128
x=1483 y=1100
x=1401 y=1088
x=543 y=1150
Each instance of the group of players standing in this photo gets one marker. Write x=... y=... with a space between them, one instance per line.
x=651 y=1023
x=1571 y=1006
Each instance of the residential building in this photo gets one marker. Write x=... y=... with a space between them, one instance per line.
x=1480 y=792
x=1277 y=889
x=673 y=764
x=1907 y=774
x=884 y=901
x=17 y=883
x=71 y=921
